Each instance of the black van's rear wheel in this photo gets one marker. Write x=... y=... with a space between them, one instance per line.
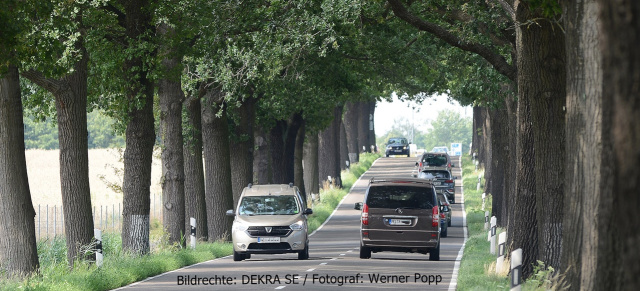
x=365 y=252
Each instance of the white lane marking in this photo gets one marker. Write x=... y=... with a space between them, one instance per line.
x=342 y=254
x=454 y=276
x=333 y=259
x=280 y=287
x=343 y=198
x=349 y=251
x=310 y=270
x=323 y=264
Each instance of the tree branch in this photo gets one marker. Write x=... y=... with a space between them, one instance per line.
x=51 y=85
x=495 y=59
x=508 y=9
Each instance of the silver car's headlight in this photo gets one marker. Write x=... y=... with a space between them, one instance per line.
x=404 y=148
x=239 y=226
x=298 y=225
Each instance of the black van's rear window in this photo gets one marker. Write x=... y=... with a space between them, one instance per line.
x=400 y=197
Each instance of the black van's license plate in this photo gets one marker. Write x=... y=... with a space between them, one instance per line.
x=399 y=221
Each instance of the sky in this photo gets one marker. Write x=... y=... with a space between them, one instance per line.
x=388 y=112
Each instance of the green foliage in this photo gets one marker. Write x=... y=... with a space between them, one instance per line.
x=44 y=134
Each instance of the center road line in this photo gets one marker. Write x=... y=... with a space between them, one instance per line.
x=311 y=270
x=280 y=287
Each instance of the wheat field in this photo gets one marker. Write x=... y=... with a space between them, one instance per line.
x=105 y=167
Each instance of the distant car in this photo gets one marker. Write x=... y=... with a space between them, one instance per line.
x=398 y=146
x=443 y=181
x=433 y=159
x=400 y=215
x=440 y=150
x=270 y=219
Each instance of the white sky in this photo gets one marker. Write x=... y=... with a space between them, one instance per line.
x=388 y=112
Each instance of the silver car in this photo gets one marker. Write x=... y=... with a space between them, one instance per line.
x=270 y=219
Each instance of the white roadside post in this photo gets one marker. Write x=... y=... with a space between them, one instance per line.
x=193 y=232
x=486 y=221
x=516 y=270
x=502 y=238
x=493 y=234
x=99 y=256
x=484 y=196
x=478 y=185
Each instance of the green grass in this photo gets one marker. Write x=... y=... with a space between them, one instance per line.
x=120 y=269
x=476 y=271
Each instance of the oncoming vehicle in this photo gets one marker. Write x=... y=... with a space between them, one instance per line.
x=398 y=146
x=400 y=215
x=443 y=181
x=270 y=219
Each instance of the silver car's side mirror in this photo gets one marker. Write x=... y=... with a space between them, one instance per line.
x=358 y=206
x=230 y=212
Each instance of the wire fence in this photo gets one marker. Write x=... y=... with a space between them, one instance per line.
x=49 y=220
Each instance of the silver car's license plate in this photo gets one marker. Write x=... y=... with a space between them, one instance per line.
x=399 y=221
x=270 y=239
x=436 y=183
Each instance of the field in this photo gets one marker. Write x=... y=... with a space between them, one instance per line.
x=105 y=168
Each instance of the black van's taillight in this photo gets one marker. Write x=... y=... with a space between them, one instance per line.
x=365 y=214
x=436 y=219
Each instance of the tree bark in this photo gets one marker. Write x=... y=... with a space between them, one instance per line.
x=173 y=196
x=499 y=162
x=619 y=43
x=242 y=145
x=344 y=148
x=17 y=227
x=218 y=189
x=329 y=150
x=70 y=94
x=276 y=148
x=310 y=164
x=195 y=202
x=542 y=80
x=511 y=132
x=261 y=156
x=293 y=126
x=352 y=128
x=140 y=134
x=298 y=180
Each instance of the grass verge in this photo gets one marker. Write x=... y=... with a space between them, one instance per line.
x=120 y=269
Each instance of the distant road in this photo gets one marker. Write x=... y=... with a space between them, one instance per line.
x=334 y=255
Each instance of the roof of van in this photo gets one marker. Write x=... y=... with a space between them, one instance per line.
x=272 y=189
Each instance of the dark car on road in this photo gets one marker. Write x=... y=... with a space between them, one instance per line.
x=443 y=181
x=445 y=214
x=400 y=215
x=398 y=146
x=434 y=160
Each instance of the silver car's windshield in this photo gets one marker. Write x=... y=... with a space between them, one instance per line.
x=269 y=205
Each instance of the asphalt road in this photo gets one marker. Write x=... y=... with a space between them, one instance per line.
x=334 y=261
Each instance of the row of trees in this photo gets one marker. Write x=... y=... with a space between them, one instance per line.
x=251 y=88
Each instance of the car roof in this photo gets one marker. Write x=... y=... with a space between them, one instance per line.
x=400 y=181
x=271 y=189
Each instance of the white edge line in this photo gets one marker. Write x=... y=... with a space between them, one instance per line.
x=454 y=275
x=343 y=198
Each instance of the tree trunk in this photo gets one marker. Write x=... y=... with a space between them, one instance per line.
x=362 y=130
x=293 y=126
x=242 y=145
x=70 y=94
x=17 y=227
x=276 y=148
x=261 y=157
x=140 y=134
x=372 y=128
x=488 y=155
x=542 y=80
x=218 y=191
x=329 y=149
x=499 y=162
x=195 y=202
x=511 y=132
x=344 y=148
x=298 y=161
x=619 y=41
x=173 y=196
x=351 y=123
x=310 y=164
